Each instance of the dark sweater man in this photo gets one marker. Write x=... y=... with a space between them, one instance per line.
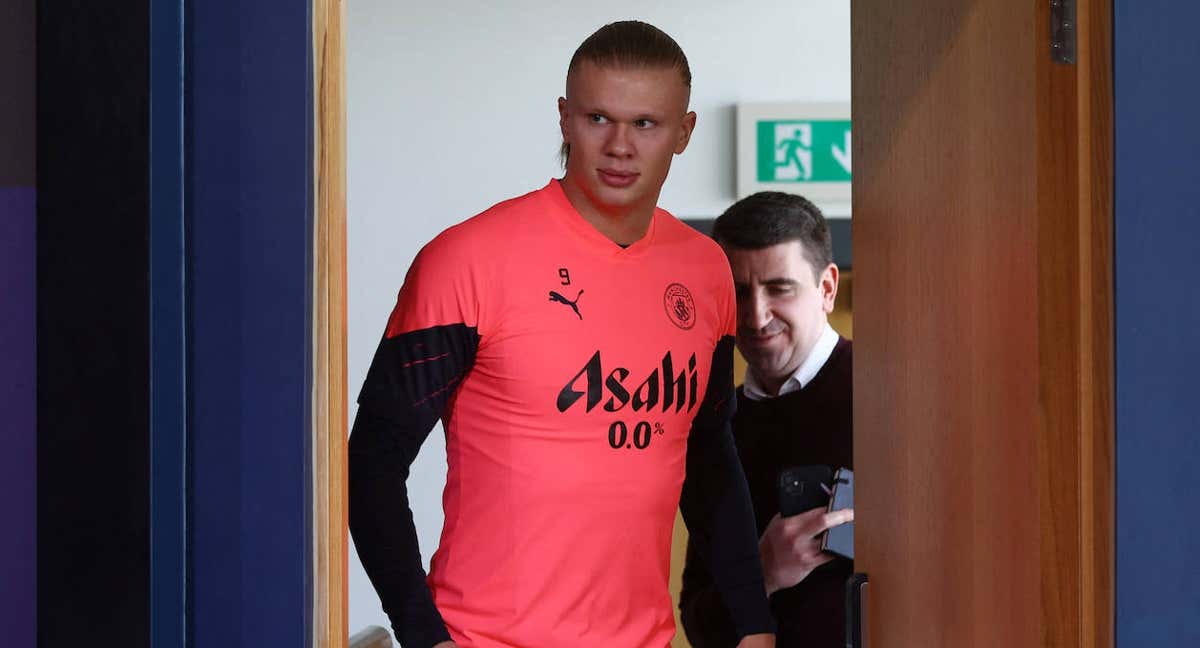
x=794 y=409
x=812 y=425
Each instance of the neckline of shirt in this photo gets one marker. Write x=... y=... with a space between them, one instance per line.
x=804 y=374
x=567 y=215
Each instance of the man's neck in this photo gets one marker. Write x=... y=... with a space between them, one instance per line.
x=769 y=386
x=623 y=226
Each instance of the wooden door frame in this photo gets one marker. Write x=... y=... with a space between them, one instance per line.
x=1075 y=301
x=330 y=597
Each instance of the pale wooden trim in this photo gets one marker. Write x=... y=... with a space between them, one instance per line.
x=330 y=629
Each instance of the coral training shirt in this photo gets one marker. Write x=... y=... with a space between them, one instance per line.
x=566 y=434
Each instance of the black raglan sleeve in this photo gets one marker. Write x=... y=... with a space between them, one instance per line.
x=706 y=620
x=716 y=507
x=406 y=391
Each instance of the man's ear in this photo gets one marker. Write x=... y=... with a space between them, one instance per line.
x=829 y=287
x=562 y=118
x=685 y=132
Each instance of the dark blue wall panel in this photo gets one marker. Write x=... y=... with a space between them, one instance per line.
x=168 y=415
x=249 y=219
x=1157 y=148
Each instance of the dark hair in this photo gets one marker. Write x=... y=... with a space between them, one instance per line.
x=772 y=217
x=629 y=44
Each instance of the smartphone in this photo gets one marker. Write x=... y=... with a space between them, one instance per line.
x=840 y=539
x=803 y=488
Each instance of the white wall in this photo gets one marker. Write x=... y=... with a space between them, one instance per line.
x=452 y=109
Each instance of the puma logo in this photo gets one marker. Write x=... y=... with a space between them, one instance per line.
x=555 y=297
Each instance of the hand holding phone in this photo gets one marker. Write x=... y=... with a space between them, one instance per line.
x=791 y=544
x=791 y=547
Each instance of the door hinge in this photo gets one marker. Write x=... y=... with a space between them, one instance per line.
x=1062 y=31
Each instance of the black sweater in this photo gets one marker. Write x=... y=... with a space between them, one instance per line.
x=810 y=426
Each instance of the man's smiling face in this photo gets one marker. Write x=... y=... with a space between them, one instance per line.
x=782 y=306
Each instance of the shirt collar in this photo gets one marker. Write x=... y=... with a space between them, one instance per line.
x=804 y=373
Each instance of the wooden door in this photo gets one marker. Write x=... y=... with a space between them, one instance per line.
x=983 y=359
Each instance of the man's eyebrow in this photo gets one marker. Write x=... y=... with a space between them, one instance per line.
x=612 y=114
x=776 y=281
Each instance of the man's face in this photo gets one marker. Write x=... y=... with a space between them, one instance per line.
x=782 y=307
x=623 y=126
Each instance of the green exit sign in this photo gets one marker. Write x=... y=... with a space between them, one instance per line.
x=797 y=147
x=803 y=150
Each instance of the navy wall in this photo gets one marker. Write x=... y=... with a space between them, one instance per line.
x=248 y=161
x=172 y=390
x=1157 y=247
x=18 y=333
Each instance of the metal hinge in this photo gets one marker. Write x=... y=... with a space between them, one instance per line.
x=1062 y=31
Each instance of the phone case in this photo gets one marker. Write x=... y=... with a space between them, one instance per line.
x=803 y=488
x=840 y=539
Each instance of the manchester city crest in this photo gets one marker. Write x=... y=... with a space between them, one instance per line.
x=681 y=310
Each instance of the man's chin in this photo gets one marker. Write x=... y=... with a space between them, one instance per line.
x=758 y=353
x=763 y=364
x=612 y=199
